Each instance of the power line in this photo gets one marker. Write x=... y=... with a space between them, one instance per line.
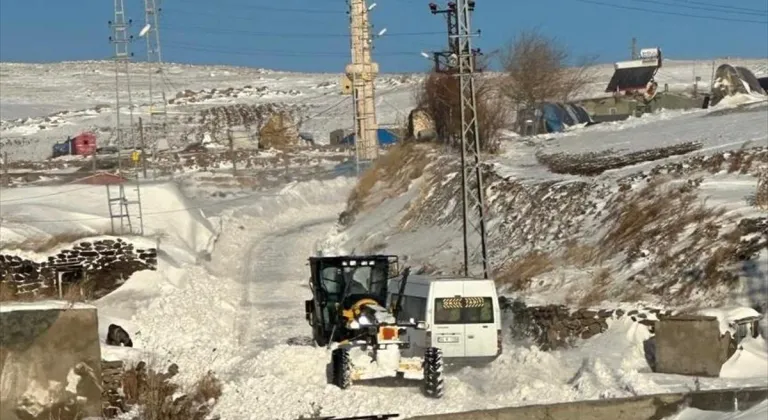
x=661 y=12
x=248 y=16
x=708 y=8
x=285 y=34
x=45 y=195
x=276 y=53
x=703 y=3
x=215 y=204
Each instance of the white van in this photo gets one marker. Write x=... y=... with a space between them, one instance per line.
x=462 y=315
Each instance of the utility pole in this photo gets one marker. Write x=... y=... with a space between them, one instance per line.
x=472 y=189
x=155 y=62
x=633 y=49
x=362 y=71
x=121 y=40
x=446 y=61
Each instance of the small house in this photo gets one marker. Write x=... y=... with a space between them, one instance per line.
x=84 y=144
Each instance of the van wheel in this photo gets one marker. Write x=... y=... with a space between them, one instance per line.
x=341 y=369
x=433 y=373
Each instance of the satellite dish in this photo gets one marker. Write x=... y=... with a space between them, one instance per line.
x=371 y=7
x=425 y=55
x=144 y=30
x=383 y=31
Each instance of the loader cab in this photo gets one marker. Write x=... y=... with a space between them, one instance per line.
x=338 y=282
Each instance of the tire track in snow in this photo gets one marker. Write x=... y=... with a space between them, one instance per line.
x=273 y=277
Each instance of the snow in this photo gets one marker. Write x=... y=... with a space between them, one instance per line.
x=43 y=305
x=727 y=316
x=758 y=412
x=85 y=91
x=750 y=358
x=40 y=213
x=228 y=295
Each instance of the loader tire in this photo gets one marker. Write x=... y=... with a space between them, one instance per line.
x=341 y=368
x=433 y=373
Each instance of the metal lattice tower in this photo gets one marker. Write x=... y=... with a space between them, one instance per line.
x=362 y=71
x=474 y=227
x=155 y=62
x=121 y=41
x=445 y=61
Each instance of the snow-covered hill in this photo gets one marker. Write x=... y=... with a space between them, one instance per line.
x=45 y=103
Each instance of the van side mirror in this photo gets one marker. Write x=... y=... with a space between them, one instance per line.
x=421 y=325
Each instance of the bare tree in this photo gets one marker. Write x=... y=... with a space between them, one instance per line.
x=440 y=96
x=538 y=68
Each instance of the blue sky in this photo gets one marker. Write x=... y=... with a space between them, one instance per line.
x=312 y=37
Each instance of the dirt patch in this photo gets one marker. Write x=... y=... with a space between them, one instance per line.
x=392 y=174
x=519 y=273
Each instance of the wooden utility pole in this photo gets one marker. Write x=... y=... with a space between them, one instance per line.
x=232 y=151
x=634 y=48
x=143 y=149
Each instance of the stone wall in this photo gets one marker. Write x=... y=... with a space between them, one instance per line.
x=556 y=326
x=100 y=266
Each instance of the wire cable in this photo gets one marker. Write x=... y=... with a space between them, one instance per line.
x=661 y=12
x=210 y=30
x=703 y=3
x=276 y=53
x=45 y=195
x=702 y=7
x=144 y=214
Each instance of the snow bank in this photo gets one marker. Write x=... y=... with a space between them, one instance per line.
x=41 y=213
x=749 y=361
x=758 y=412
x=732 y=101
x=727 y=316
x=42 y=305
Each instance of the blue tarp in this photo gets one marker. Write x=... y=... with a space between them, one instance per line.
x=556 y=116
x=63 y=148
x=386 y=137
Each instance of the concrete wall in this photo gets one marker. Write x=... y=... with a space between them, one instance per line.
x=49 y=359
x=650 y=407
x=690 y=345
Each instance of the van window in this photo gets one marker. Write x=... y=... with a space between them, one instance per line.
x=412 y=307
x=471 y=310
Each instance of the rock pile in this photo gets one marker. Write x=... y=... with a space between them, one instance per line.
x=104 y=264
x=111 y=382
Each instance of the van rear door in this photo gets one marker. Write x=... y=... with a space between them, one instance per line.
x=448 y=331
x=480 y=326
x=447 y=326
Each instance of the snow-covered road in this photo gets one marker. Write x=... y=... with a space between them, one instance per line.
x=241 y=315
x=274 y=278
